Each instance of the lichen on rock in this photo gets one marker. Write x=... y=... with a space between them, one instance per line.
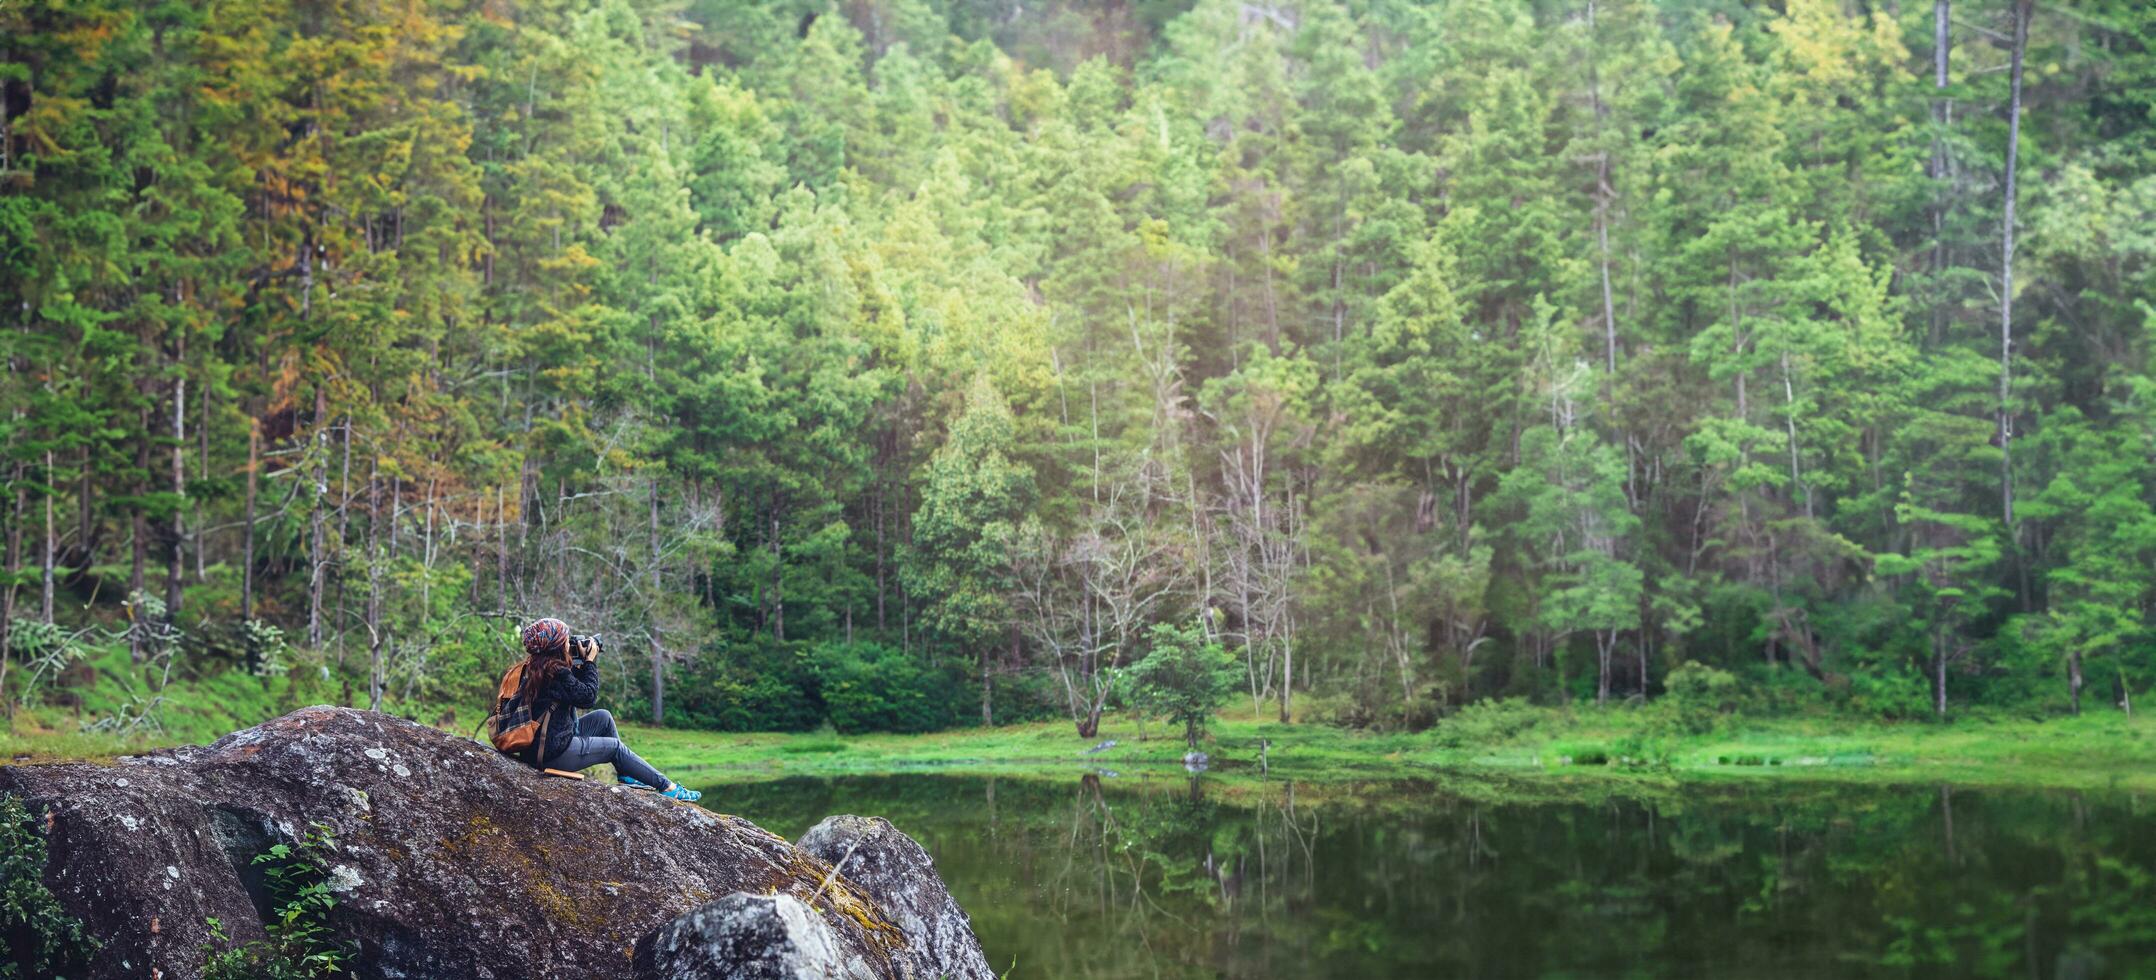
x=748 y=937
x=900 y=879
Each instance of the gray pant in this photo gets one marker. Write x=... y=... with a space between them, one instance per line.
x=597 y=741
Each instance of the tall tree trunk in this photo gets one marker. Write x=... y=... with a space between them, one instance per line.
x=344 y=527
x=778 y=579
x=51 y=544
x=178 y=559
x=426 y=556
x=1602 y=665
x=202 y=466
x=1942 y=45
x=138 y=528
x=247 y=528
x=426 y=587
x=2073 y=677
x=1602 y=202
x=1796 y=471
x=1609 y=297
x=988 y=714
x=501 y=549
x=14 y=561
x=375 y=677
x=396 y=497
x=1641 y=641
x=1205 y=560
x=316 y=519
x=879 y=494
x=85 y=529
x=1287 y=677
x=1938 y=673
x=2022 y=10
x=658 y=650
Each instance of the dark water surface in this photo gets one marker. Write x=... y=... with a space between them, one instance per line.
x=1161 y=876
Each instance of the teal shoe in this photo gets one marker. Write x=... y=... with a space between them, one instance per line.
x=682 y=793
x=634 y=783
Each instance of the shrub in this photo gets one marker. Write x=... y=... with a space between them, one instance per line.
x=1332 y=708
x=1025 y=697
x=45 y=651
x=1581 y=754
x=752 y=687
x=37 y=937
x=1411 y=716
x=779 y=701
x=1641 y=750
x=1700 y=695
x=871 y=688
x=1895 y=695
x=1487 y=722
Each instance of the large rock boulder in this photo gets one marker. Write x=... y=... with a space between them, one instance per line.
x=748 y=937
x=451 y=862
x=899 y=877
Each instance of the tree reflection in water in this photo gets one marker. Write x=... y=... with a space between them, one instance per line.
x=1154 y=875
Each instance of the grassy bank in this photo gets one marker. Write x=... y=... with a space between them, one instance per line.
x=2094 y=751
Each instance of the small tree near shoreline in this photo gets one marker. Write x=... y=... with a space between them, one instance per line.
x=1183 y=678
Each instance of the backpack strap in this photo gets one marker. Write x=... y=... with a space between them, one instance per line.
x=539 y=744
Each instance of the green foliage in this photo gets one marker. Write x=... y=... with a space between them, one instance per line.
x=46 y=651
x=868 y=688
x=1181 y=678
x=1487 y=723
x=755 y=687
x=1700 y=696
x=300 y=943
x=267 y=643
x=849 y=365
x=38 y=938
x=1027 y=697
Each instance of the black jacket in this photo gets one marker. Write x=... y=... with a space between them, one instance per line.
x=577 y=687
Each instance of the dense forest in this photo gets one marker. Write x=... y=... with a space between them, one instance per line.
x=898 y=364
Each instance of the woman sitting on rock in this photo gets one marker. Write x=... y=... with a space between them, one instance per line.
x=560 y=676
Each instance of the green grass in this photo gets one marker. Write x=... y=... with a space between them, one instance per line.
x=195 y=709
x=2095 y=751
x=2099 y=750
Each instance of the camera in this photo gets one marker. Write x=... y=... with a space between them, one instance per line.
x=585 y=647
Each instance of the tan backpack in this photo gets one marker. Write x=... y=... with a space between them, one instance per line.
x=514 y=731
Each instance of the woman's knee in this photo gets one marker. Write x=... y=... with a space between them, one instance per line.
x=598 y=721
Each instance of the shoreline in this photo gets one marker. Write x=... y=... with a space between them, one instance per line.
x=1617 y=747
x=2089 y=753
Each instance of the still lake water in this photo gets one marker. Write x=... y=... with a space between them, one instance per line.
x=1160 y=875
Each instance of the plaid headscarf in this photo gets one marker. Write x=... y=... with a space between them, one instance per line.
x=545 y=636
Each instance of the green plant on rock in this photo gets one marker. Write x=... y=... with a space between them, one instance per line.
x=300 y=944
x=38 y=938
